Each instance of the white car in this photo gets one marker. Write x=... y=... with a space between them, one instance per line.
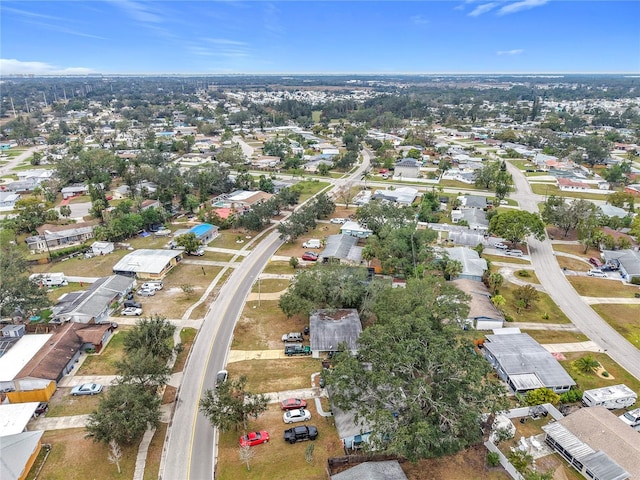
x=597 y=273
x=500 y=245
x=297 y=415
x=338 y=220
x=146 y=292
x=132 y=311
x=152 y=286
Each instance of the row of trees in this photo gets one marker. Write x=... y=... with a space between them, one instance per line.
x=494 y=176
x=305 y=218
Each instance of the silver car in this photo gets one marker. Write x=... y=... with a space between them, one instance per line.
x=86 y=389
x=297 y=415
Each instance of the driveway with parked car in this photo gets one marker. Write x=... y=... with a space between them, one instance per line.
x=86 y=389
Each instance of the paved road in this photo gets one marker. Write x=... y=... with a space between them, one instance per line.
x=191 y=448
x=563 y=293
x=17 y=160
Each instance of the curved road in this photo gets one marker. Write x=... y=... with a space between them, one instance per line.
x=190 y=450
x=563 y=293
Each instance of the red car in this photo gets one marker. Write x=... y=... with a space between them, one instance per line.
x=252 y=439
x=293 y=403
x=310 y=256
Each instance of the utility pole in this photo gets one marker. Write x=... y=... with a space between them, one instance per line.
x=15 y=115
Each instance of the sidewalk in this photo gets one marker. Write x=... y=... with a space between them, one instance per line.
x=572 y=347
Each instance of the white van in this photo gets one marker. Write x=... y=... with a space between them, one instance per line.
x=513 y=252
x=313 y=243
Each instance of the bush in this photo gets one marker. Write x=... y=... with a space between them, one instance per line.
x=573 y=395
x=493 y=459
x=67 y=251
x=524 y=273
x=508 y=318
x=605 y=374
x=635 y=281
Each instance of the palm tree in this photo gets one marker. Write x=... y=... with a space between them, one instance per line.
x=586 y=364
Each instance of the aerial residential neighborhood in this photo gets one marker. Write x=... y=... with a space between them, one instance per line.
x=461 y=287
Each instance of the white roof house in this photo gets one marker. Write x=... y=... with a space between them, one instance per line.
x=147 y=263
x=15 y=416
x=20 y=354
x=17 y=452
x=473 y=267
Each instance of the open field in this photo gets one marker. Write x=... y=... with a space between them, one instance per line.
x=100 y=266
x=70 y=452
x=536 y=313
x=624 y=318
x=104 y=363
x=270 y=285
x=275 y=375
x=261 y=328
x=272 y=459
x=601 y=287
x=587 y=381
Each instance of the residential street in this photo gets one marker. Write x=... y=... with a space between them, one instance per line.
x=555 y=283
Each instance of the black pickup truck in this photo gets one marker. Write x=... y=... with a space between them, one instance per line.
x=298 y=434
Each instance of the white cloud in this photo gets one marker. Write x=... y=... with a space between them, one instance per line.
x=225 y=41
x=11 y=66
x=26 y=13
x=139 y=11
x=419 y=20
x=484 y=8
x=515 y=51
x=521 y=5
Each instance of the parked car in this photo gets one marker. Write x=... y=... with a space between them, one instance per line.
x=41 y=409
x=152 y=285
x=296 y=415
x=513 y=252
x=146 y=292
x=131 y=303
x=594 y=272
x=338 y=220
x=501 y=246
x=313 y=243
x=310 y=256
x=297 y=350
x=221 y=377
x=293 y=403
x=296 y=434
x=252 y=439
x=86 y=389
x=198 y=253
x=292 y=337
x=596 y=262
x=132 y=311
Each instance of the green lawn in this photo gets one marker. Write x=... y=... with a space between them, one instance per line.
x=104 y=363
x=624 y=318
x=600 y=287
x=551 y=189
x=536 y=312
x=588 y=381
x=556 y=336
x=270 y=285
x=278 y=268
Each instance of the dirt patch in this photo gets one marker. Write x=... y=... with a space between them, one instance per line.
x=600 y=371
x=558 y=234
x=169 y=395
x=62 y=403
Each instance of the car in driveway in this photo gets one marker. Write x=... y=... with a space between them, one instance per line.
x=152 y=286
x=594 y=272
x=596 y=262
x=301 y=433
x=41 y=409
x=296 y=349
x=221 y=377
x=86 y=389
x=338 y=220
x=293 y=404
x=197 y=253
x=296 y=415
x=133 y=311
x=310 y=256
x=146 y=292
x=252 y=439
x=513 y=252
x=293 y=337
x=500 y=245
x=132 y=303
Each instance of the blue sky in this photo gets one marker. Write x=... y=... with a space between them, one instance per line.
x=127 y=36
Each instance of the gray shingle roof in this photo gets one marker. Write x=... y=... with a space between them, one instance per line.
x=387 y=470
x=330 y=328
x=342 y=247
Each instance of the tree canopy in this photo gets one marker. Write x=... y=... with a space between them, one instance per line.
x=516 y=225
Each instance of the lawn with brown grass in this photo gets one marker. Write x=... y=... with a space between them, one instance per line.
x=187 y=337
x=555 y=336
x=543 y=311
x=104 y=363
x=63 y=404
x=275 y=458
x=498 y=258
x=275 y=375
x=229 y=239
x=261 y=327
x=277 y=267
x=100 y=266
x=576 y=249
x=572 y=264
x=624 y=318
x=270 y=285
x=601 y=287
x=587 y=381
x=152 y=467
x=74 y=457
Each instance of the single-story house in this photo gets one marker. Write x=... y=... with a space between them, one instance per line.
x=204 y=232
x=401 y=196
x=341 y=249
x=613 y=211
x=14 y=418
x=473 y=267
x=17 y=353
x=149 y=203
x=19 y=453
x=524 y=364
x=597 y=444
x=475 y=218
x=473 y=201
x=246 y=198
x=633 y=189
x=148 y=263
x=62 y=237
x=94 y=304
x=384 y=470
x=570 y=185
x=483 y=314
x=352 y=433
x=354 y=229
x=329 y=328
x=407 y=168
x=74 y=191
x=102 y=248
x=8 y=200
x=314 y=165
x=629 y=262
